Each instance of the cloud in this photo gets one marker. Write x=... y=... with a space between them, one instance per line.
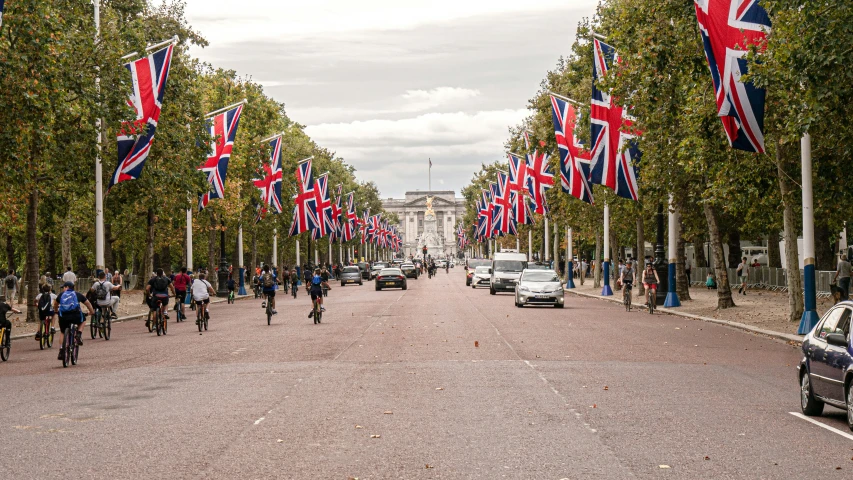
x=420 y=100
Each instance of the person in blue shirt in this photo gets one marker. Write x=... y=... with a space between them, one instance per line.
x=268 y=282
x=316 y=290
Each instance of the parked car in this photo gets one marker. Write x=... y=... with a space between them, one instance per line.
x=365 y=270
x=472 y=264
x=390 y=278
x=481 y=277
x=539 y=287
x=506 y=268
x=826 y=370
x=410 y=270
x=351 y=275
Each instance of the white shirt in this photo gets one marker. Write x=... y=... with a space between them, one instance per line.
x=69 y=277
x=105 y=302
x=200 y=290
x=52 y=299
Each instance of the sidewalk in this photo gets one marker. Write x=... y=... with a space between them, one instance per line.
x=759 y=311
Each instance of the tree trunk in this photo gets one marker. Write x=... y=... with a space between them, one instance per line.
x=166 y=259
x=824 y=249
x=66 y=243
x=50 y=254
x=724 y=290
x=734 y=247
x=774 y=258
x=596 y=276
x=147 y=266
x=31 y=276
x=682 y=284
x=792 y=261
x=212 y=250
x=109 y=259
x=10 y=252
x=640 y=255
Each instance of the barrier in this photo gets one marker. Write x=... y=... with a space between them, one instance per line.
x=774 y=279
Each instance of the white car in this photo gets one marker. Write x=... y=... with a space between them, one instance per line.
x=482 y=277
x=539 y=287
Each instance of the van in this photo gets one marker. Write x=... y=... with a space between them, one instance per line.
x=506 y=269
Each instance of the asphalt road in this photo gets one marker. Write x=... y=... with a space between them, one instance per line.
x=439 y=381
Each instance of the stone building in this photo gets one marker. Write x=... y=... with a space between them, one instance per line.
x=410 y=210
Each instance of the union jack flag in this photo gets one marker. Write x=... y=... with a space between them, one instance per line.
x=305 y=201
x=493 y=192
x=503 y=219
x=323 y=208
x=615 y=154
x=148 y=75
x=518 y=184
x=363 y=225
x=336 y=233
x=260 y=212
x=540 y=179
x=351 y=219
x=223 y=131
x=1 y=13
x=270 y=182
x=574 y=161
x=728 y=28
x=461 y=237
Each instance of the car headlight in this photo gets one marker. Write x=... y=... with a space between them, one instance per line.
x=523 y=289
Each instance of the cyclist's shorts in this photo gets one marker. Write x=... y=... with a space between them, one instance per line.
x=164 y=299
x=70 y=318
x=202 y=302
x=181 y=295
x=43 y=315
x=628 y=285
x=650 y=286
x=315 y=294
x=269 y=293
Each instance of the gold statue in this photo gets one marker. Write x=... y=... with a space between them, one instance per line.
x=429 y=201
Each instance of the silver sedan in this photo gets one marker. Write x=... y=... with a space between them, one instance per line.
x=539 y=287
x=351 y=276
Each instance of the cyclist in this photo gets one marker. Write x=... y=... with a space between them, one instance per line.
x=627 y=277
x=201 y=291
x=103 y=289
x=256 y=283
x=5 y=308
x=44 y=303
x=650 y=280
x=158 y=290
x=308 y=277
x=447 y=266
x=181 y=282
x=294 y=282
x=316 y=286
x=324 y=277
x=68 y=306
x=268 y=281
x=230 y=284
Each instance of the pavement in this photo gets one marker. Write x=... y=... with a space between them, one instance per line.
x=438 y=381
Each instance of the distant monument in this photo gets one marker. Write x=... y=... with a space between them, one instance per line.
x=429 y=237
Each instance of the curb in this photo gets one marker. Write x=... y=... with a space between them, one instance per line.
x=132 y=317
x=786 y=337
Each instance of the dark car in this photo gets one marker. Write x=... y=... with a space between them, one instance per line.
x=365 y=270
x=390 y=278
x=410 y=270
x=826 y=370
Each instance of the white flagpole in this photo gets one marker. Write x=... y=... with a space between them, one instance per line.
x=298 y=261
x=189 y=239
x=430 y=175
x=99 y=174
x=275 y=247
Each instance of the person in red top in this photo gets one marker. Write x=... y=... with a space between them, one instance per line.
x=182 y=280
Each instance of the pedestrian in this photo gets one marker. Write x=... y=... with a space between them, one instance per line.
x=11 y=283
x=109 y=275
x=742 y=271
x=69 y=276
x=710 y=283
x=842 y=277
x=687 y=267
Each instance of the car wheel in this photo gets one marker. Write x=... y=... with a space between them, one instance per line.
x=343 y=284
x=810 y=405
x=378 y=288
x=558 y=305
x=405 y=287
x=360 y=283
x=850 y=405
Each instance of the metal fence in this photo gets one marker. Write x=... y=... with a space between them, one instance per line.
x=775 y=279
x=82 y=285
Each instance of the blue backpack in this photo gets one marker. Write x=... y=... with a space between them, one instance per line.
x=68 y=302
x=316 y=280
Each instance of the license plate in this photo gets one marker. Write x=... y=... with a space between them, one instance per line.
x=543 y=296
x=389 y=283
x=350 y=281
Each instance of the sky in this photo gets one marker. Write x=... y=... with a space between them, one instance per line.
x=388 y=85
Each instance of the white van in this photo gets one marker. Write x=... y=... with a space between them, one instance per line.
x=506 y=269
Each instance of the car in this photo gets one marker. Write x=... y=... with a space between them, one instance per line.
x=826 y=369
x=506 y=268
x=472 y=264
x=376 y=268
x=351 y=275
x=538 y=266
x=410 y=270
x=539 y=287
x=390 y=278
x=481 y=277
x=440 y=263
x=365 y=270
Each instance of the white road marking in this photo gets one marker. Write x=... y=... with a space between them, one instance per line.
x=822 y=425
x=259 y=420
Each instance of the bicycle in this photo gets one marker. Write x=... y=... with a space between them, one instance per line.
x=71 y=346
x=199 y=321
x=159 y=324
x=101 y=325
x=626 y=296
x=318 y=312
x=5 y=343
x=231 y=297
x=269 y=312
x=651 y=297
x=46 y=333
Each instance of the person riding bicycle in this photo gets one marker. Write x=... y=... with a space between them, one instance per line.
x=308 y=276
x=651 y=279
x=627 y=277
x=324 y=276
x=182 y=282
x=68 y=305
x=5 y=308
x=230 y=284
x=103 y=290
x=294 y=281
x=158 y=290
x=316 y=289
x=268 y=281
x=44 y=303
x=201 y=291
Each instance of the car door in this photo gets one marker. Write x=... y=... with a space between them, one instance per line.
x=837 y=359
x=823 y=378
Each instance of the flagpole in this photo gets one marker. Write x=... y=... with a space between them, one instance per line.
x=149 y=47
x=570 y=281
x=99 y=173
x=429 y=185
x=229 y=107
x=810 y=316
x=240 y=268
x=561 y=97
x=606 y=290
x=189 y=237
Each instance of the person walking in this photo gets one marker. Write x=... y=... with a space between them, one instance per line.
x=842 y=277
x=687 y=267
x=11 y=283
x=742 y=271
x=69 y=276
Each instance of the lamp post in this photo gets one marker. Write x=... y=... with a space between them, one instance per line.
x=222 y=288
x=671 y=295
x=810 y=317
x=660 y=262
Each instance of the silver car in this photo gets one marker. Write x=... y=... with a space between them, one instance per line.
x=539 y=287
x=482 y=277
x=351 y=275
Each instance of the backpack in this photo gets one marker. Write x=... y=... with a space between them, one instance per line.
x=268 y=280
x=10 y=283
x=160 y=284
x=68 y=302
x=101 y=291
x=316 y=280
x=44 y=302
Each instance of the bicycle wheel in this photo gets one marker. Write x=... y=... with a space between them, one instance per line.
x=66 y=346
x=50 y=335
x=75 y=351
x=93 y=326
x=205 y=321
x=269 y=315
x=42 y=336
x=165 y=325
x=150 y=322
x=159 y=323
x=198 y=320
x=108 y=328
x=5 y=345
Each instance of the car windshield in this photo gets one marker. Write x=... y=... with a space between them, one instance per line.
x=482 y=270
x=538 y=266
x=391 y=271
x=407 y=265
x=350 y=269
x=478 y=263
x=540 y=276
x=509 y=265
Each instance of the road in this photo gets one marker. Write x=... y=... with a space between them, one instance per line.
x=439 y=381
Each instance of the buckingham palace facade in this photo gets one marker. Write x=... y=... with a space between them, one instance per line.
x=410 y=210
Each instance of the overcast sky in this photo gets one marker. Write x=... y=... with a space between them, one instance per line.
x=389 y=84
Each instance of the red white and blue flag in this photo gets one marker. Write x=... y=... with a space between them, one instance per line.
x=323 y=206
x=148 y=75
x=363 y=224
x=518 y=184
x=270 y=182
x=503 y=219
x=615 y=154
x=728 y=28
x=540 y=179
x=305 y=200
x=223 y=132
x=337 y=208
x=350 y=220
x=574 y=161
x=1 y=12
